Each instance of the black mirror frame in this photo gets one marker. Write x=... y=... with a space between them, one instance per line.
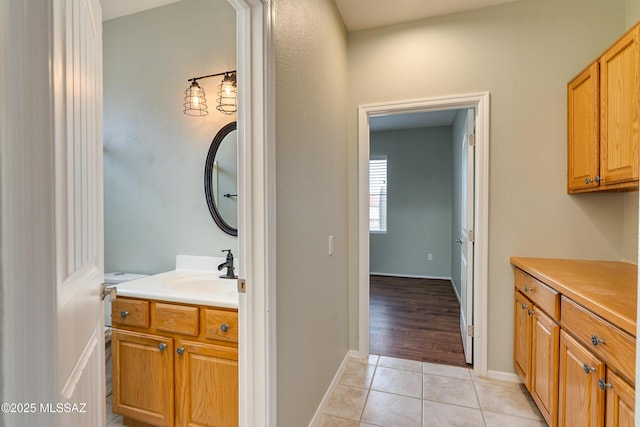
x=208 y=172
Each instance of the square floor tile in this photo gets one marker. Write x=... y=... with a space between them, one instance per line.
x=501 y=420
x=407 y=365
x=446 y=371
x=397 y=381
x=331 y=421
x=371 y=360
x=357 y=374
x=449 y=390
x=392 y=410
x=346 y=402
x=506 y=399
x=436 y=414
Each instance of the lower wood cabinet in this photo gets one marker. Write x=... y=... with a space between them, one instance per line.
x=577 y=363
x=581 y=402
x=536 y=355
x=177 y=366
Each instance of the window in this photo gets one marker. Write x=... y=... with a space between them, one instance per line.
x=378 y=194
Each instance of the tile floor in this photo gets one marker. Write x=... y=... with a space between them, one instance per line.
x=390 y=392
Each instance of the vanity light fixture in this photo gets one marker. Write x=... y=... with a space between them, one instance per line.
x=195 y=103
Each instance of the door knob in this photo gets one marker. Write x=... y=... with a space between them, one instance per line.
x=459 y=241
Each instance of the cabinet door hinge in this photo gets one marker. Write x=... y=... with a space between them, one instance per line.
x=471 y=236
x=470 y=330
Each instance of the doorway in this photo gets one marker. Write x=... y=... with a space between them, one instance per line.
x=480 y=103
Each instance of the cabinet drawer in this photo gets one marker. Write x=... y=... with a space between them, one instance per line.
x=613 y=345
x=130 y=312
x=539 y=293
x=221 y=325
x=180 y=319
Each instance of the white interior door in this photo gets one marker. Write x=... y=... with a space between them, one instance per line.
x=77 y=73
x=466 y=240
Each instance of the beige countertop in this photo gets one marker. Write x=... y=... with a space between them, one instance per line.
x=607 y=288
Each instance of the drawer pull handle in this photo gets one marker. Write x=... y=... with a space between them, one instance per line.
x=162 y=346
x=587 y=369
x=224 y=327
x=595 y=340
x=528 y=288
x=180 y=350
x=124 y=314
x=603 y=385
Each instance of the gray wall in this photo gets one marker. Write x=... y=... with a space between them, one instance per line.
x=459 y=127
x=419 y=202
x=154 y=155
x=311 y=198
x=503 y=50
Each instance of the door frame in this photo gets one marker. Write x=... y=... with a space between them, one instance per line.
x=256 y=212
x=479 y=101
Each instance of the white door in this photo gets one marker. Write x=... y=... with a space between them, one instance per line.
x=77 y=74
x=466 y=239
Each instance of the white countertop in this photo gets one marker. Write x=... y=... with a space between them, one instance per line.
x=194 y=281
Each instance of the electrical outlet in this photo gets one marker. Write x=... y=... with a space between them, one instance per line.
x=430 y=257
x=330 y=245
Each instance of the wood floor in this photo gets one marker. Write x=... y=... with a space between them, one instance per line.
x=417 y=319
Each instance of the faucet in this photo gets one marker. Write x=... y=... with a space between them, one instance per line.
x=228 y=264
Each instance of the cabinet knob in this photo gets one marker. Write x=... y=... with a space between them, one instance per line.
x=180 y=350
x=595 y=340
x=603 y=385
x=528 y=289
x=524 y=306
x=162 y=346
x=124 y=314
x=224 y=327
x=588 y=181
x=598 y=179
x=587 y=369
x=530 y=312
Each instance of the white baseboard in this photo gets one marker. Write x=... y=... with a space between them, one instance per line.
x=455 y=291
x=336 y=378
x=411 y=276
x=504 y=376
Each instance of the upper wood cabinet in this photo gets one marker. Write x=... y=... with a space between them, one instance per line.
x=603 y=111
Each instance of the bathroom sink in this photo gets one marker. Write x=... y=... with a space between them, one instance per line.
x=202 y=284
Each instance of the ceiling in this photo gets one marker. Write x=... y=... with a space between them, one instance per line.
x=363 y=14
x=356 y=14
x=411 y=120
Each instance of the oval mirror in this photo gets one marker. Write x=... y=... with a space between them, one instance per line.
x=220 y=179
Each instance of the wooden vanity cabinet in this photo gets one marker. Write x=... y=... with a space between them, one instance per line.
x=174 y=364
x=603 y=115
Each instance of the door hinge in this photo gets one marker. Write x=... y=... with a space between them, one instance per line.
x=470 y=330
x=108 y=291
x=242 y=286
x=472 y=139
x=471 y=236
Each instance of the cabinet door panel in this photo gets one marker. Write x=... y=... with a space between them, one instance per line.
x=620 y=402
x=143 y=377
x=207 y=385
x=545 y=336
x=619 y=111
x=581 y=402
x=582 y=130
x=522 y=338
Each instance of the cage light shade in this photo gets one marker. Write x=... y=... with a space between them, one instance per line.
x=227 y=100
x=195 y=103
